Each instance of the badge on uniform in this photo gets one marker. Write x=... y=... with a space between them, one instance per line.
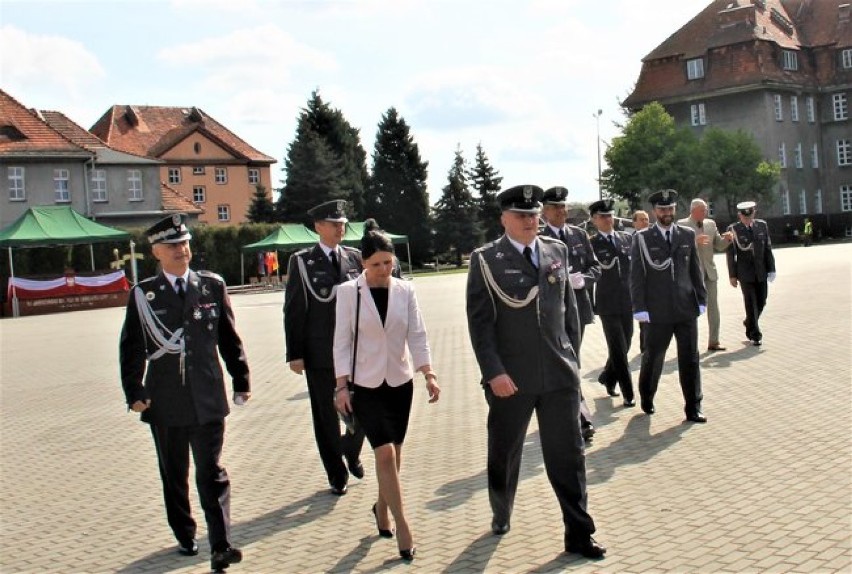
x=499 y=255
x=551 y=279
x=204 y=290
x=196 y=314
x=310 y=261
x=150 y=295
x=323 y=291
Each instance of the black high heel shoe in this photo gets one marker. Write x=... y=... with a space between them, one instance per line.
x=382 y=532
x=408 y=555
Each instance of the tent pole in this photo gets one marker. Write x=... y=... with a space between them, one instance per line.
x=242 y=269
x=408 y=248
x=16 y=311
x=92 y=255
x=133 y=262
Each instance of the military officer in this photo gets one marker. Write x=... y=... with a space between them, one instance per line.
x=313 y=275
x=751 y=264
x=667 y=291
x=612 y=298
x=174 y=325
x=525 y=331
x=584 y=270
x=708 y=240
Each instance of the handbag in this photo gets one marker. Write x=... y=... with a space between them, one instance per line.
x=349 y=418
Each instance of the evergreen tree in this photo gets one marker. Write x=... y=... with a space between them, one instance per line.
x=313 y=176
x=486 y=182
x=261 y=209
x=397 y=196
x=457 y=228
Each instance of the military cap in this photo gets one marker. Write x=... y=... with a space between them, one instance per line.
x=602 y=207
x=334 y=211
x=663 y=198
x=746 y=207
x=521 y=198
x=555 y=196
x=171 y=229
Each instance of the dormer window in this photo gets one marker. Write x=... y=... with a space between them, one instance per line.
x=695 y=68
x=790 y=60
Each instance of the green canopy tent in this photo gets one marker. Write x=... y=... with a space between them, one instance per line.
x=49 y=226
x=355 y=231
x=288 y=237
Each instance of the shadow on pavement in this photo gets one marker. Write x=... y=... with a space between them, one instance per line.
x=475 y=557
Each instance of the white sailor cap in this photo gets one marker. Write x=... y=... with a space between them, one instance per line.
x=746 y=207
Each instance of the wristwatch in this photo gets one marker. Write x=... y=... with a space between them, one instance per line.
x=430 y=374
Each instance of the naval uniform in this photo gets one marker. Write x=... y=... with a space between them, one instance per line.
x=750 y=261
x=173 y=344
x=309 y=316
x=523 y=322
x=667 y=282
x=613 y=305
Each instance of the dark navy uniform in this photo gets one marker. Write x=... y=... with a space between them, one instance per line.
x=180 y=374
x=309 y=317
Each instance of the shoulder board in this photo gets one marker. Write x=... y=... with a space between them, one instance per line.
x=301 y=252
x=147 y=280
x=350 y=249
x=487 y=247
x=549 y=239
x=210 y=275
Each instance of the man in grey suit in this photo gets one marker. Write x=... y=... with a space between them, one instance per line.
x=667 y=289
x=524 y=328
x=708 y=240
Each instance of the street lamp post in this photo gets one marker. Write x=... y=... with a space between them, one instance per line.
x=597 y=117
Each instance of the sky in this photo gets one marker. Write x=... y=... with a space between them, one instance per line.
x=525 y=79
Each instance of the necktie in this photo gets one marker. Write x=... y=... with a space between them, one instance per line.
x=562 y=235
x=700 y=224
x=179 y=287
x=611 y=240
x=668 y=237
x=528 y=256
x=334 y=262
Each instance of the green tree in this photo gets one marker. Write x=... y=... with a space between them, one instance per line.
x=733 y=168
x=457 y=228
x=313 y=176
x=397 y=195
x=261 y=210
x=486 y=181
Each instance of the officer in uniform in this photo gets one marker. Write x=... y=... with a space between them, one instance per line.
x=751 y=264
x=583 y=271
x=612 y=298
x=667 y=290
x=174 y=325
x=313 y=275
x=525 y=331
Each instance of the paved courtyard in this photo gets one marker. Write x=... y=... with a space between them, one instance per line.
x=765 y=486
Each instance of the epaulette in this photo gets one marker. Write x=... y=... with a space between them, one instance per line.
x=210 y=275
x=549 y=239
x=350 y=249
x=486 y=247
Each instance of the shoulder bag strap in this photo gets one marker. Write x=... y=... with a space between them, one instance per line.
x=357 y=324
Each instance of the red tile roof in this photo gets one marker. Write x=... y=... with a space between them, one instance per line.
x=174 y=202
x=153 y=130
x=64 y=125
x=24 y=133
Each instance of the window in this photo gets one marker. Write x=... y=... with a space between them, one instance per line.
x=798 y=156
x=841 y=112
x=198 y=170
x=711 y=207
x=779 y=108
x=174 y=175
x=699 y=118
x=695 y=69
x=199 y=194
x=846 y=58
x=803 y=202
x=846 y=198
x=134 y=185
x=790 y=60
x=811 y=111
x=815 y=157
x=99 y=185
x=818 y=201
x=61 y=188
x=782 y=155
x=254 y=176
x=223 y=212
x=785 y=202
x=17 y=190
x=221 y=175
x=844 y=152
x=794 y=108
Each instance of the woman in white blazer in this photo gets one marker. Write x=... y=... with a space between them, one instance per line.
x=379 y=313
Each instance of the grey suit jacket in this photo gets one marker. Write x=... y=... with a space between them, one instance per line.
x=534 y=344
x=581 y=257
x=705 y=252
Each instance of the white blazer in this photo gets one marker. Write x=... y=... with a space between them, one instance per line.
x=383 y=350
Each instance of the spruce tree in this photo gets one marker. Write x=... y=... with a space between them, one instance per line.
x=457 y=228
x=397 y=195
x=313 y=177
x=261 y=209
x=486 y=181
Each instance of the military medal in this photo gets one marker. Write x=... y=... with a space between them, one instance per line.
x=150 y=295
x=323 y=291
x=212 y=313
x=205 y=290
x=310 y=261
x=196 y=314
x=499 y=255
x=551 y=279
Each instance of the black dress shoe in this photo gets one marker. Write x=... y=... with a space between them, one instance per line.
x=188 y=547
x=756 y=343
x=408 y=555
x=221 y=559
x=696 y=417
x=610 y=389
x=500 y=528
x=648 y=408
x=384 y=533
x=587 y=547
x=356 y=469
x=715 y=347
x=338 y=490
x=629 y=403
x=588 y=431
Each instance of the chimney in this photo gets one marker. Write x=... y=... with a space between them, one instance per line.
x=735 y=15
x=131 y=115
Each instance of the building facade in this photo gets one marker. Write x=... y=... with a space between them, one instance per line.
x=782 y=71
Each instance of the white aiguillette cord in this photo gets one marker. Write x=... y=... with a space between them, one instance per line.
x=166 y=341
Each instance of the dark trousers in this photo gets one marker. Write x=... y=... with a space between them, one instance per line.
x=214 y=488
x=618 y=332
x=754 y=297
x=561 y=448
x=642 y=337
x=332 y=447
x=658 y=337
